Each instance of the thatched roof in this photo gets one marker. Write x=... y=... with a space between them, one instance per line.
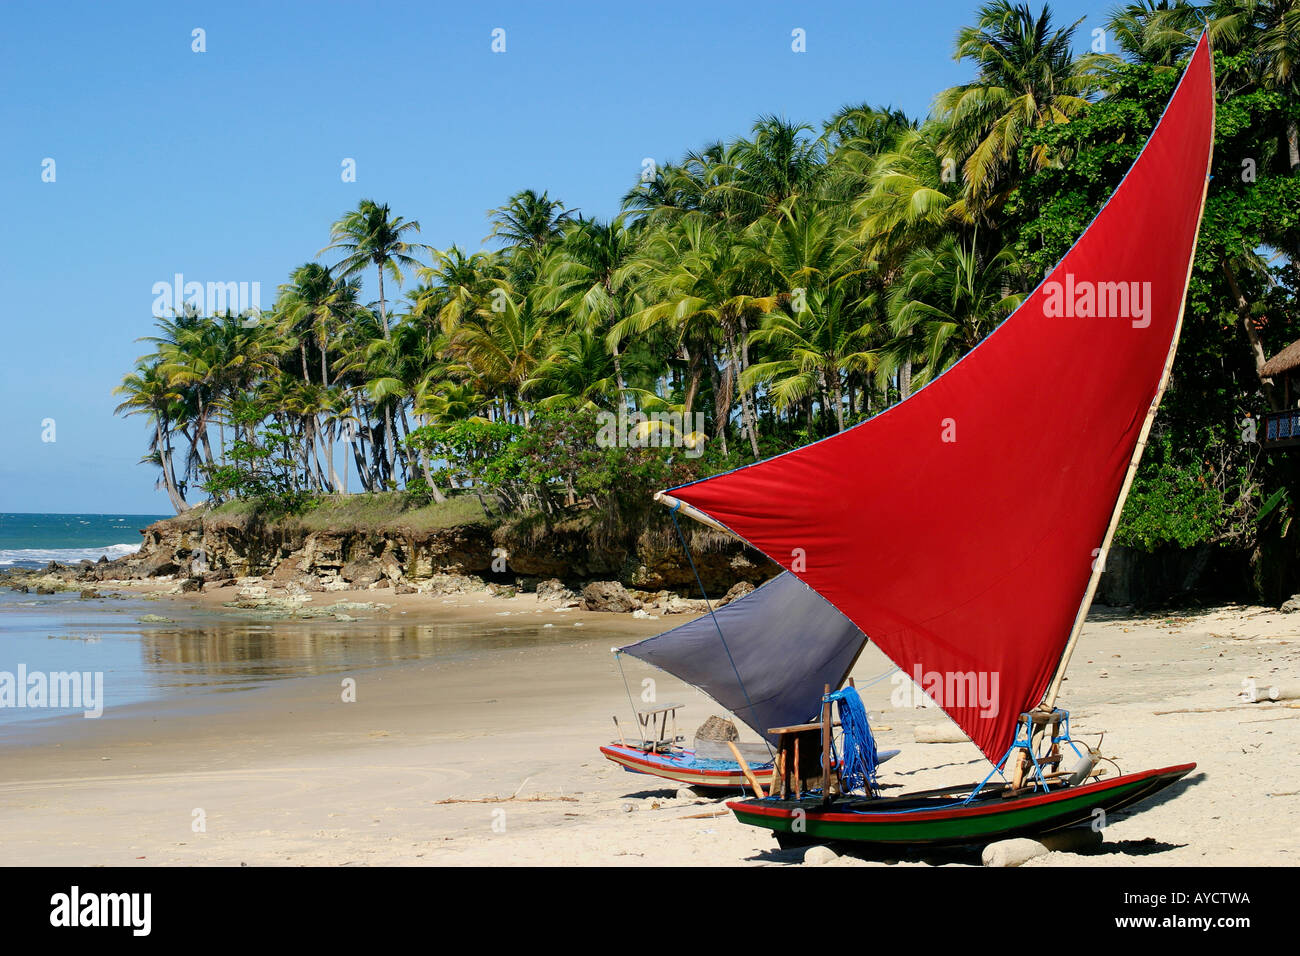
x=1287 y=360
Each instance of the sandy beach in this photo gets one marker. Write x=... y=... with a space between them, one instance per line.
x=493 y=761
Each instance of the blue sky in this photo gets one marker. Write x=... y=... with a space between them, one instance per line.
x=225 y=165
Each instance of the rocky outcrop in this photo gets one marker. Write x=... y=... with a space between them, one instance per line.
x=558 y=564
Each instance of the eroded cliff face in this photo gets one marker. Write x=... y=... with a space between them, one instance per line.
x=215 y=550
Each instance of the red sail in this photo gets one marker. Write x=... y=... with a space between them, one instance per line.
x=959 y=528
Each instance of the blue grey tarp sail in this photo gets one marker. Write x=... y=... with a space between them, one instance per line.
x=786 y=640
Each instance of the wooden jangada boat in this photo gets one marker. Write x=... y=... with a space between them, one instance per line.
x=965 y=528
x=731 y=655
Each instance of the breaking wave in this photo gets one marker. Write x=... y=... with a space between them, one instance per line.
x=39 y=557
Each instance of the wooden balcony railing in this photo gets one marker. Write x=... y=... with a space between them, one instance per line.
x=1280 y=428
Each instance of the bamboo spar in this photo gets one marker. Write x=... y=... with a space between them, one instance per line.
x=695 y=514
x=1053 y=690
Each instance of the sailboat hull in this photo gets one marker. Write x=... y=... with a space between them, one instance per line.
x=935 y=820
x=684 y=767
x=681 y=767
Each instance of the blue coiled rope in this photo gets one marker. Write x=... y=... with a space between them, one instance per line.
x=857 y=758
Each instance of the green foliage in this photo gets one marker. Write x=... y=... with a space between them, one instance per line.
x=1199 y=482
x=783 y=284
x=557 y=461
x=262 y=468
x=1172 y=502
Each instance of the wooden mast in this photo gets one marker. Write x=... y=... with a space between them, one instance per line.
x=1099 y=565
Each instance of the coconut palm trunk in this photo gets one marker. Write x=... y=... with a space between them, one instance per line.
x=169 y=474
x=694 y=375
x=734 y=372
x=383 y=306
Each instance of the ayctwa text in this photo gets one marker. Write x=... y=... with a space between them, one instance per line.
x=1160 y=899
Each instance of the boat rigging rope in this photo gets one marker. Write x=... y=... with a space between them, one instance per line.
x=618 y=658
x=709 y=604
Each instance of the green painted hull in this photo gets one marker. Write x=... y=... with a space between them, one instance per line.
x=982 y=820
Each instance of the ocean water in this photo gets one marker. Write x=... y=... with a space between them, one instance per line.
x=133 y=652
x=34 y=540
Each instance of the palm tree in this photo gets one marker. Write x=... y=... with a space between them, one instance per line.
x=589 y=280
x=1158 y=32
x=441 y=401
x=704 y=281
x=315 y=303
x=457 y=285
x=1268 y=31
x=529 y=225
x=699 y=183
x=372 y=235
x=951 y=296
x=1026 y=78
x=818 y=345
x=148 y=393
x=528 y=220
x=500 y=354
x=771 y=170
x=578 y=372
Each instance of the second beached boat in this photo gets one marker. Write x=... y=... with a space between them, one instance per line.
x=738 y=655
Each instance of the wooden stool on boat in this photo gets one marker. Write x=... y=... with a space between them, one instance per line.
x=1036 y=724
x=803 y=759
x=660 y=739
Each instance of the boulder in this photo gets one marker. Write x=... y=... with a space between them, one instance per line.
x=362 y=572
x=938 y=734
x=553 y=589
x=680 y=605
x=159 y=565
x=1291 y=605
x=608 y=596
x=738 y=590
x=819 y=855
x=285 y=571
x=1019 y=851
x=191 y=585
x=1012 y=852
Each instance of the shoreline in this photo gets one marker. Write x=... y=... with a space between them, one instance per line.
x=288 y=774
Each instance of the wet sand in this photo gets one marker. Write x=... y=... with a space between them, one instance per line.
x=290 y=774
